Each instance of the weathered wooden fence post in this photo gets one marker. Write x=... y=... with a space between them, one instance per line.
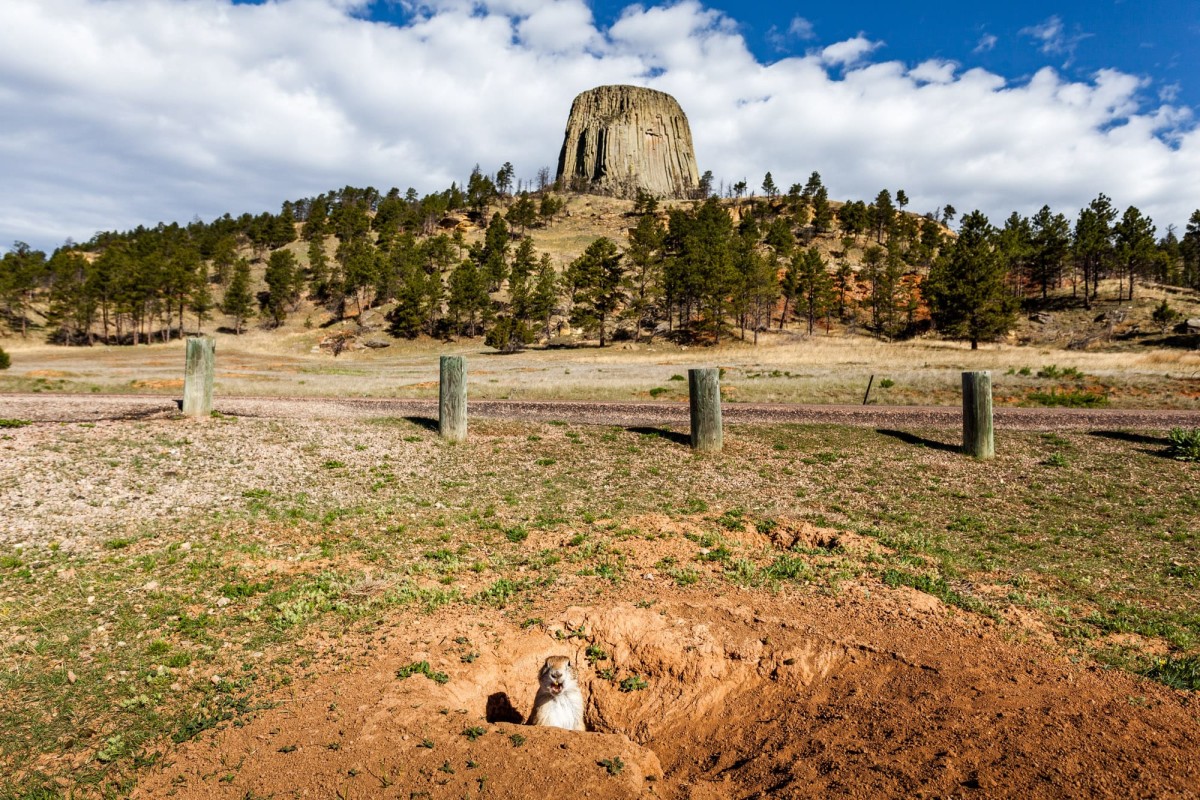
x=198 y=376
x=452 y=399
x=977 y=415
x=704 y=394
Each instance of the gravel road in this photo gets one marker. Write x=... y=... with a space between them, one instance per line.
x=93 y=408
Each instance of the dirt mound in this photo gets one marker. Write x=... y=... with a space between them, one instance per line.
x=873 y=693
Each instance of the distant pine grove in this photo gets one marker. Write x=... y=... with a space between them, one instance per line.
x=697 y=270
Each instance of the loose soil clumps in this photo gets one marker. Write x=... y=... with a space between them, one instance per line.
x=866 y=694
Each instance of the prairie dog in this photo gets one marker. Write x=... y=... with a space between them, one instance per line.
x=559 y=701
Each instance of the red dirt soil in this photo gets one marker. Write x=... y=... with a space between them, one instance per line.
x=872 y=693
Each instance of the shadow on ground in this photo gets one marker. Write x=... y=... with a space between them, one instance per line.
x=663 y=433
x=920 y=441
x=1156 y=445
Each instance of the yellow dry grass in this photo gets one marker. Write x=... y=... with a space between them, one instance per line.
x=785 y=367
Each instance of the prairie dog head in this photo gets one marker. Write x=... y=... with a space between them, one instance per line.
x=557 y=674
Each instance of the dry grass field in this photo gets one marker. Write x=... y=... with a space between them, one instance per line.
x=782 y=368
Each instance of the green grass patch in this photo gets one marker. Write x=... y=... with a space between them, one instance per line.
x=937 y=587
x=422 y=668
x=1178 y=672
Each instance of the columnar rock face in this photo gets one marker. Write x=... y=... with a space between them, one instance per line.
x=624 y=138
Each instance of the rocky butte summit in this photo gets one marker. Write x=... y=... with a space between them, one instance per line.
x=624 y=138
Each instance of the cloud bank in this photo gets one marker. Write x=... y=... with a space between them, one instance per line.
x=126 y=112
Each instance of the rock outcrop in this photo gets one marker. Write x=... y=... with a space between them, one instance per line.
x=621 y=139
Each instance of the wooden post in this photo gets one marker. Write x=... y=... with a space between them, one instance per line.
x=452 y=399
x=704 y=393
x=198 y=376
x=977 y=415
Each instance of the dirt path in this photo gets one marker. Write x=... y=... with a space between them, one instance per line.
x=92 y=408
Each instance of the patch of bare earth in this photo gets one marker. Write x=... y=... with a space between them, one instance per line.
x=874 y=693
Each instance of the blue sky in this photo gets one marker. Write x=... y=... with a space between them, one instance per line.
x=126 y=112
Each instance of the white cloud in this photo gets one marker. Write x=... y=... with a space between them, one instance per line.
x=560 y=27
x=801 y=29
x=1054 y=39
x=849 y=52
x=125 y=112
x=1049 y=33
x=986 y=44
x=934 y=71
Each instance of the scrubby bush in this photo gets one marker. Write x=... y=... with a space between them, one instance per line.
x=1164 y=316
x=1184 y=445
x=5 y=361
x=509 y=335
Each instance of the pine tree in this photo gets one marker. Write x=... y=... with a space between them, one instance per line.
x=549 y=207
x=480 y=191
x=523 y=213
x=408 y=316
x=22 y=270
x=755 y=280
x=469 y=297
x=504 y=178
x=1135 y=250
x=852 y=217
x=929 y=243
x=493 y=258
x=281 y=284
x=200 y=301
x=711 y=258
x=643 y=281
x=769 y=188
x=645 y=203
x=843 y=283
x=239 y=301
x=317 y=223
x=1014 y=243
x=1093 y=245
x=1190 y=250
x=812 y=185
x=545 y=294
x=318 y=269
x=883 y=214
x=359 y=267
x=814 y=285
x=523 y=264
x=822 y=212
x=72 y=307
x=595 y=280
x=224 y=255
x=967 y=292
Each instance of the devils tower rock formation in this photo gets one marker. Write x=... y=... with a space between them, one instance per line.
x=624 y=138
